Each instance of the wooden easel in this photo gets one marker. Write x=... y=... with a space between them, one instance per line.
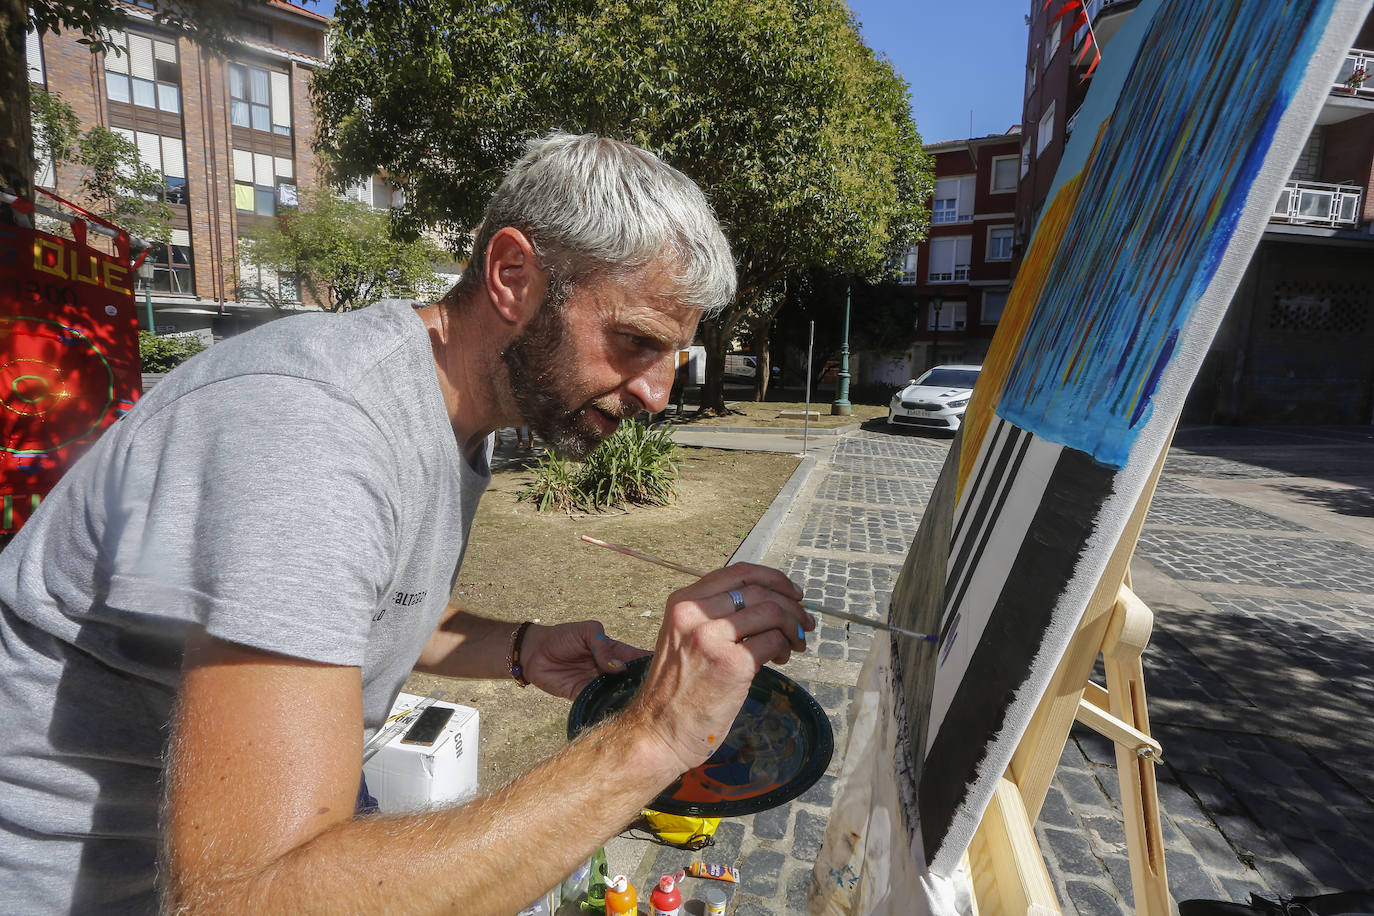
x=1005 y=862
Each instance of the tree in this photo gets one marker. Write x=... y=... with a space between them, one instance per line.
x=340 y=250
x=207 y=21
x=117 y=184
x=800 y=136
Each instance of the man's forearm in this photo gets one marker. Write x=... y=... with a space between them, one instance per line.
x=493 y=855
x=467 y=645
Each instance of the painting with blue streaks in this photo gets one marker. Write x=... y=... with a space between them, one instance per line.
x=1190 y=129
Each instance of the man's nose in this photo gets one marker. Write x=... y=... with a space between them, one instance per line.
x=652 y=386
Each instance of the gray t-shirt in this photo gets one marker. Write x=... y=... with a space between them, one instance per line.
x=298 y=489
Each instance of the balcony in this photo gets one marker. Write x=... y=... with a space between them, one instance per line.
x=1313 y=203
x=1356 y=76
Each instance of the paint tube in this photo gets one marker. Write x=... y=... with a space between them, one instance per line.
x=718 y=872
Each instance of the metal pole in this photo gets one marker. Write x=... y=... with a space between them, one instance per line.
x=841 y=407
x=148 y=304
x=806 y=415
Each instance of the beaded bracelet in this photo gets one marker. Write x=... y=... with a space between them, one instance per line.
x=517 y=638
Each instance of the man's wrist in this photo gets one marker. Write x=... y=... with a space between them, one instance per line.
x=515 y=655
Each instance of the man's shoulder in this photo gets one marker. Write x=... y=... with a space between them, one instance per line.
x=340 y=351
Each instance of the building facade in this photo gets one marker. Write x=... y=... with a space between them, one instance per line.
x=957 y=281
x=230 y=133
x=1297 y=344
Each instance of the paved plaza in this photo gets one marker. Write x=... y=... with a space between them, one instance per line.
x=1258 y=561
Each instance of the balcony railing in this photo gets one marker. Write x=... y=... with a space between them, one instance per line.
x=1312 y=203
x=1356 y=77
x=960 y=273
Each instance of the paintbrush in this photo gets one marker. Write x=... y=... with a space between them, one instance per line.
x=809 y=605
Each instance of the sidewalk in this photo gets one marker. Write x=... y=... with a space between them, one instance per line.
x=1258 y=561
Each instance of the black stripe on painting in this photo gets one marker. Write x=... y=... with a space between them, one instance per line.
x=999 y=430
x=985 y=533
x=1001 y=663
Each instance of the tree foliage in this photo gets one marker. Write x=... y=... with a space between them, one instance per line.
x=115 y=182
x=343 y=252
x=801 y=137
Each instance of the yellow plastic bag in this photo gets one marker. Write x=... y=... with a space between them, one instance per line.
x=676 y=830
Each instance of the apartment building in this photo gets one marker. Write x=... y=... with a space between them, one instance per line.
x=1297 y=344
x=231 y=135
x=958 y=279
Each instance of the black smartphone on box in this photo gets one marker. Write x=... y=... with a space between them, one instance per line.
x=426 y=729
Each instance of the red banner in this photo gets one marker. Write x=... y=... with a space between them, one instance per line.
x=69 y=364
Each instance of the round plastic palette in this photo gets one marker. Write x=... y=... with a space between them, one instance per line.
x=779 y=745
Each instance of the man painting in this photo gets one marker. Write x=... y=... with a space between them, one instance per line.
x=220 y=601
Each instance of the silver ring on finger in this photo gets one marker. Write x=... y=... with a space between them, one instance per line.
x=738 y=597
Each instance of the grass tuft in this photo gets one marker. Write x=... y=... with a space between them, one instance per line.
x=636 y=466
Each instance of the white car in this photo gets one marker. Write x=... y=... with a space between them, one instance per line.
x=937 y=399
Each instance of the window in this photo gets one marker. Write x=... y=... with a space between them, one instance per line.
x=953 y=201
x=1052 y=42
x=144 y=71
x=263 y=284
x=1000 y=240
x=909 y=262
x=260 y=99
x=166 y=155
x=260 y=180
x=171 y=265
x=949 y=257
x=950 y=316
x=1003 y=174
x=1044 y=138
x=994 y=301
x=1025 y=157
x=33 y=51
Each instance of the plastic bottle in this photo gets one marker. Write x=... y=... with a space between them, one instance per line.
x=596 y=885
x=620 y=897
x=666 y=899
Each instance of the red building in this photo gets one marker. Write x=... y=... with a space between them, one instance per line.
x=1297 y=344
x=959 y=278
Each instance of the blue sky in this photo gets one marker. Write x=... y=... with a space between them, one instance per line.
x=958 y=55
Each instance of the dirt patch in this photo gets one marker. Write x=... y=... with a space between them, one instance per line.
x=769 y=413
x=525 y=564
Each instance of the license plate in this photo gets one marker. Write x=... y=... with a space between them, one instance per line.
x=925 y=413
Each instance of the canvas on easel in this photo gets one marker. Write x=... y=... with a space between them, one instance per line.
x=1195 y=119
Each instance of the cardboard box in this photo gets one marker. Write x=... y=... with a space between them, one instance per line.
x=410 y=777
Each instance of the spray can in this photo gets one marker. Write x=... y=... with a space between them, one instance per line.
x=666 y=899
x=620 y=897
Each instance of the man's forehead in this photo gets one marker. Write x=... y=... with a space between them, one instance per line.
x=668 y=321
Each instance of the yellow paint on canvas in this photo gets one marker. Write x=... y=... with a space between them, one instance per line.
x=1016 y=317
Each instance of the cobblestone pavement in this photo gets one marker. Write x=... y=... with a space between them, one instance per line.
x=1258 y=561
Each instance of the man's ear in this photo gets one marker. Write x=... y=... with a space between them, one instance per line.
x=515 y=281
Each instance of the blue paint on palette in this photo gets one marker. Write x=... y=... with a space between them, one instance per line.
x=1162 y=195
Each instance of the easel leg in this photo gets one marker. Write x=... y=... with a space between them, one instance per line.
x=1126 y=639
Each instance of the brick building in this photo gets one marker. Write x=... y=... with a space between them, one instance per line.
x=958 y=279
x=1297 y=344
x=231 y=134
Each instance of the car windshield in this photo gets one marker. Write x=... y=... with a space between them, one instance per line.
x=940 y=377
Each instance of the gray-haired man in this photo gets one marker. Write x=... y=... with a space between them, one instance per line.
x=227 y=592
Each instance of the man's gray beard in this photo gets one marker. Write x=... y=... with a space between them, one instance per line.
x=536 y=362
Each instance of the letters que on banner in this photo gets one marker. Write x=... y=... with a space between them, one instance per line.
x=69 y=363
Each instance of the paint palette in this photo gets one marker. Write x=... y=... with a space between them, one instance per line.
x=779 y=745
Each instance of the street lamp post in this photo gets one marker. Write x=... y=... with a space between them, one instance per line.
x=937 y=303
x=841 y=407
x=146 y=272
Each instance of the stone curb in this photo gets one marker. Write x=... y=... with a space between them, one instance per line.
x=760 y=537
